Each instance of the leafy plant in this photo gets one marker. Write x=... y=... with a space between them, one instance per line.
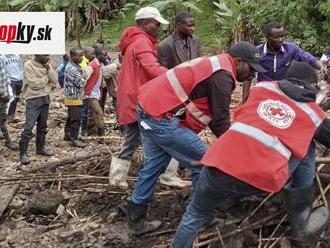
x=170 y=8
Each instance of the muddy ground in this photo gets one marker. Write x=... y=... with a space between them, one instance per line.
x=62 y=207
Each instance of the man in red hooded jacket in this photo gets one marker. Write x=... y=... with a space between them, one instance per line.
x=138 y=48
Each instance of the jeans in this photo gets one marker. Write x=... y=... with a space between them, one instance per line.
x=132 y=141
x=16 y=88
x=161 y=141
x=215 y=186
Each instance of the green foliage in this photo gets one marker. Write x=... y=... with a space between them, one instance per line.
x=307 y=21
x=219 y=23
x=170 y=8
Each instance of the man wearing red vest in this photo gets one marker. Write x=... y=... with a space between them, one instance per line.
x=270 y=139
x=174 y=107
x=92 y=92
x=139 y=65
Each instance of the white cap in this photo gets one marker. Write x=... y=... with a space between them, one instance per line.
x=150 y=12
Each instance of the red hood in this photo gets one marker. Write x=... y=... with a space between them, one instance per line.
x=129 y=35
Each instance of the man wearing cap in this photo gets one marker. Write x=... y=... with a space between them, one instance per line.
x=265 y=134
x=139 y=65
x=173 y=108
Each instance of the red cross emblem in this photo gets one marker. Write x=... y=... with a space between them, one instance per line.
x=276 y=111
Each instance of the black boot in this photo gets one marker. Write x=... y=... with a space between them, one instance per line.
x=23 y=145
x=40 y=145
x=8 y=143
x=83 y=127
x=67 y=132
x=305 y=223
x=91 y=130
x=74 y=134
x=137 y=219
x=100 y=131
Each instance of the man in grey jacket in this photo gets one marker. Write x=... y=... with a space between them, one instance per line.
x=182 y=45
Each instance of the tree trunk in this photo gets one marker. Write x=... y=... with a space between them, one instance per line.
x=77 y=21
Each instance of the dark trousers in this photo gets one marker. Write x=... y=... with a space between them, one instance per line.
x=36 y=113
x=3 y=118
x=131 y=142
x=103 y=99
x=72 y=124
x=215 y=187
x=16 y=88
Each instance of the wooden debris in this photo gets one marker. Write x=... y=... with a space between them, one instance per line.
x=6 y=194
x=69 y=160
x=322 y=160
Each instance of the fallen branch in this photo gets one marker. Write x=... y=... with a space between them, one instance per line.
x=255 y=210
x=69 y=160
x=322 y=160
x=111 y=137
x=258 y=224
x=6 y=194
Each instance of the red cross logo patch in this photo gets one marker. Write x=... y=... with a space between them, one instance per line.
x=276 y=113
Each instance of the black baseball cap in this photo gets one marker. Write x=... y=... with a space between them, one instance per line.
x=248 y=53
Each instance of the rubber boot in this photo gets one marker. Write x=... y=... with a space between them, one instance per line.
x=23 y=145
x=83 y=128
x=74 y=134
x=91 y=130
x=305 y=223
x=137 y=222
x=118 y=171
x=40 y=145
x=100 y=131
x=171 y=177
x=8 y=143
x=67 y=132
x=78 y=143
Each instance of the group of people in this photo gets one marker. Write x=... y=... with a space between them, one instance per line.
x=166 y=94
x=86 y=78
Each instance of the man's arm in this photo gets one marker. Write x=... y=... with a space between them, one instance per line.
x=146 y=58
x=199 y=48
x=301 y=55
x=219 y=92
x=162 y=55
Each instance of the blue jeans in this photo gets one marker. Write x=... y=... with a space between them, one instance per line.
x=215 y=186
x=161 y=141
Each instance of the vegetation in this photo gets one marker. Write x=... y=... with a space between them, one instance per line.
x=219 y=22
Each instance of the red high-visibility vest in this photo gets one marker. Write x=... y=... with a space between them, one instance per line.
x=172 y=89
x=267 y=130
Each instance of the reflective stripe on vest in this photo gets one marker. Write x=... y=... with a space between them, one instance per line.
x=303 y=106
x=179 y=91
x=199 y=115
x=259 y=135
